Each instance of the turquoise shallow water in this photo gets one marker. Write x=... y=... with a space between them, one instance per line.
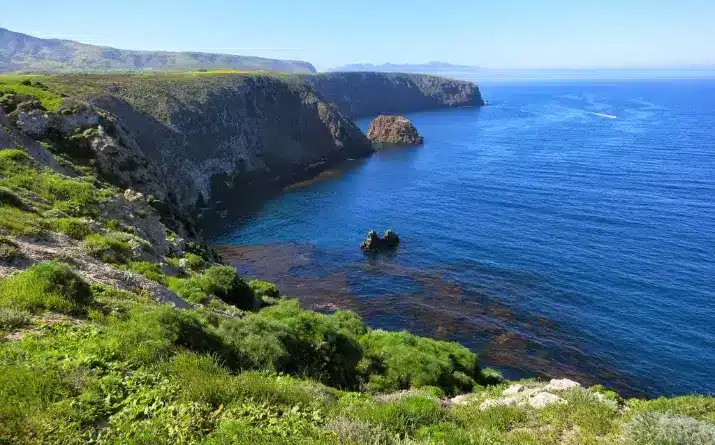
x=565 y=229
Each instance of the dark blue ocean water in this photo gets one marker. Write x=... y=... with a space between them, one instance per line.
x=565 y=229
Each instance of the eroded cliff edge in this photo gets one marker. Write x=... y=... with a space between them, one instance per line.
x=183 y=138
x=367 y=94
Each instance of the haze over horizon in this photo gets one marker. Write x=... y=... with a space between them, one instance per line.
x=553 y=34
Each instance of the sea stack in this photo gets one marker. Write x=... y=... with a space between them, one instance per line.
x=373 y=243
x=394 y=130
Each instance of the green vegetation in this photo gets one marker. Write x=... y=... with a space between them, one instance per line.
x=48 y=285
x=15 y=89
x=110 y=248
x=264 y=289
x=73 y=227
x=74 y=196
x=83 y=363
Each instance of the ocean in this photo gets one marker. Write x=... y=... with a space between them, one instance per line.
x=566 y=229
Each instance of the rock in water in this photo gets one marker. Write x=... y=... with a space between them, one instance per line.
x=373 y=243
x=396 y=130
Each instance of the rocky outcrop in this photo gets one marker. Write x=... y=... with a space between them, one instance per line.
x=369 y=94
x=183 y=140
x=389 y=240
x=394 y=130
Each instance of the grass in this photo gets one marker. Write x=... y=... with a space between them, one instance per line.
x=18 y=85
x=74 y=196
x=46 y=286
x=110 y=248
x=75 y=228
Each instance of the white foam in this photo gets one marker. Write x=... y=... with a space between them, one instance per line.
x=607 y=116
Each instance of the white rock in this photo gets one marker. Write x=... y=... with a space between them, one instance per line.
x=491 y=403
x=561 y=385
x=513 y=389
x=544 y=399
x=462 y=399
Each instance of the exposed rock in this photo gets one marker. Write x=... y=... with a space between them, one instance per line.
x=132 y=210
x=513 y=389
x=396 y=130
x=374 y=243
x=491 y=403
x=248 y=131
x=561 y=385
x=462 y=399
x=33 y=123
x=369 y=94
x=544 y=399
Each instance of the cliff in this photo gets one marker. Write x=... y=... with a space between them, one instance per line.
x=23 y=53
x=182 y=137
x=365 y=94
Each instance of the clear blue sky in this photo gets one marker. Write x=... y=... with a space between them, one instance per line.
x=495 y=34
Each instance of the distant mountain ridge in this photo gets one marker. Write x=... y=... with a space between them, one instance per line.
x=442 y=68
x=477 y=73
x=24 y=53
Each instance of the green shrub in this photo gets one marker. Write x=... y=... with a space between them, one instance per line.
x=9 y=250
x=653 y=428
x=107 y=248
x=697 y=406
x=189 y=289
x=74 y=196
x=402 y=417
x=22 y=223
x=224 y=282
x=263 y=289
x=400 y=360
x=13 y=318
x=72 y=227
x=150 y=337
x=286 y=338
x=152 y=271
x=583 y=410
x=47 y=285
x=325 y=347
x=26 y=396
x=193 y=261
x=11 y=198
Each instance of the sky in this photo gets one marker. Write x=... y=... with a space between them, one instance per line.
x=492 y=34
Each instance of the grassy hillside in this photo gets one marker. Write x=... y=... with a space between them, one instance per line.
x=24 y=53
x=108 y=337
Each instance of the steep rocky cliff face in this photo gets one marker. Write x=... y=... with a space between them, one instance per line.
x=362 y=94
x=181 y=138
x=185 y=139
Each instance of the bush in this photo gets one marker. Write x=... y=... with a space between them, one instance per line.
x=47 y=285
x=286 y=338
x=189 y=289
x=150 y=337
x=402 y=417
x=193 y=261
x=653 y=428
x=72 y=227
x=696 y=406
x=108 y=248
x=400 y=360
x=263 y=289
x=13 y=318
x=11 y=198
x=224 y=282
x=152 y=271
x=9 y=250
